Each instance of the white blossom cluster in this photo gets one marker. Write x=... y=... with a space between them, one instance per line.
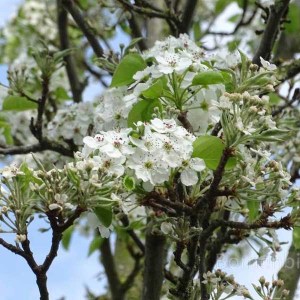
x=72 y=123
x=162 y=147
x=112 y=111
x=36 y=20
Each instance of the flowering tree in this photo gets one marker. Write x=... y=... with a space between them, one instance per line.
x=191 y=150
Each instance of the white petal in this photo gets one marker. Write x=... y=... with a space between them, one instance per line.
x=189 y=177
x=90 y=142
x=197 y=164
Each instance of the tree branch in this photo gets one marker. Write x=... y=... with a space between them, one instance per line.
x=277 y=11
x=111 y=271
x=136 y=32
x=84 y=26
x=182 y=117
x=155 y=255
x=187 y=16
x=295 y=98
x=62 y=22
x=210 y=196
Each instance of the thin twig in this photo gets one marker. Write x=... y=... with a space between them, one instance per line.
x=74 y=11
x=277 y=11
x=62 y=22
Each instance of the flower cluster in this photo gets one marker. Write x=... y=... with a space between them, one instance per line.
x=152 y=152
x=219 y=283
x=72 y=123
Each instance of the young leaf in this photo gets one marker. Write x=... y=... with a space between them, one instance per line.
x=129 y=183
x=210 y=149
x=17 y=103
x=208 y=78
x=95 y=244
x=66 y=238
x=155 y=90
x=253 y=207
x=296 y=237
x=129 y=65
x=132 y=44
x=5 y=129
x=104 y=215
x=142 y=111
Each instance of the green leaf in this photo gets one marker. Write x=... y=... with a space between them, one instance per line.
x=294 y=16
x=296 y=238
x=66 y=238
x=274 y=99
x=84 y=4
x=132 y=44
x=6 y=132
x=29 y=175
x=155 y=90
x=104 y=215
x=142 y=111
x=129 y=65
x=95 y=245
x=210 y=149
x=253 y=207
x=129 y=183
x=245 y=65
x=17 y=103
x=226 y=76
x=221 y=5
x=234 y=18
x=208 y=78
x=61 y=94
x=197 y=31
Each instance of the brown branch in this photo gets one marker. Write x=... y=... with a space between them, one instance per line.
x=41 y=278
x=242 y=22
x=295 y=98
x=37 y=127
x=290 y=70
x=149 y=12
x=154 y=198
x=62 y=22
x=46 y=145
x=155 y=255
x=12 y=248
x=277 y=11
x=111 y=271
x=136 y=32
x=210 y=196
x=182 y=289
x=182 y=117
x=74 y=11
x=187 y=16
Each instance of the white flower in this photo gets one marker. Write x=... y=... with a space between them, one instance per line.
x=189 y=174
x=105 y=231
x=11 y=171
x=54 y=206
x=267 y=65
x=270 y=123
x=210 y=277
x=163 y=126
x=113 y=143
x=266 y=3
x=166 y=228
x=248 y=129
x=20 y=238
x=169 y=62
x=149 y=166
x=111 y=165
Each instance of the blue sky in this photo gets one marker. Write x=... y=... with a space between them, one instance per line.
x=71 y=270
